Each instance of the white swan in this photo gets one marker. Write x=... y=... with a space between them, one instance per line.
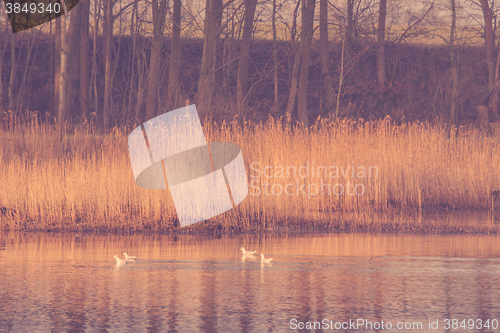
x=128 y=258
x=247 y=253
x=264 y=260
x=119 y=261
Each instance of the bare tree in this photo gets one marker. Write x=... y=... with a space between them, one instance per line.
x=490 y=46
x=133 y=112
x=154 y=62
x=349 y=32
x=242 y=79
x=57 y=67
x=73 y=45
x=2 y=53
x=453 y=64
x=327 y=93
x=84 y=59
x=109 y=68
x=275 y=59
x=23 y=88
x=175 y=56
x=307 y=31
x=108 y=39
x=381 y=43
x=94 y=60
x=494 y=102
x=12 y=80
x=294 y=78
x=61 y=116
x=212 y=23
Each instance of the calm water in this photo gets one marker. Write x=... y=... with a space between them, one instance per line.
x=202 y=284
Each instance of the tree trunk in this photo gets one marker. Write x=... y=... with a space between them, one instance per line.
x=12 y=80
x=97 y=9
x=2 y=95
x=73 y=44
x=328 y=95
x=275 y=59
x=488 y=36
x=84 y=60
x=350 y=24
x=206 y=76
x=154 y=61
x=341 y=79
x=175 y=57
x=453 y=64
x=380 y=44
x=141 y=84
x=307 y=31
x=494 y=101
x=57 y=67
x=133 y=32
x=108 y=30
x=213 y=14
x=242 y=79
x=61 y=116
x=21 y=88
x=292 y=95
x=294 y=75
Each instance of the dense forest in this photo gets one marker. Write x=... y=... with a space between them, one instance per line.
x=117 y=62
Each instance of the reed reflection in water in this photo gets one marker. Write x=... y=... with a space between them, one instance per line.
x=204 y=284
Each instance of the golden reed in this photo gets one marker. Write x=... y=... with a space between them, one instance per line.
x=336 y=171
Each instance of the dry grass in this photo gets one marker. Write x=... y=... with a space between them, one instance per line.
x=85 y=182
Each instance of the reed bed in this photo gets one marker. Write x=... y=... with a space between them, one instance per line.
x=83 y=180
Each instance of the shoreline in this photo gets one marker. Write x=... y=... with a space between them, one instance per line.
x=296 y=226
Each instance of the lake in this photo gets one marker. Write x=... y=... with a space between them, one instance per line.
x=316 y=283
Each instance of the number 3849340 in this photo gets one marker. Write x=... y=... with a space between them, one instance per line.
x=33 y=7
x=472 y=324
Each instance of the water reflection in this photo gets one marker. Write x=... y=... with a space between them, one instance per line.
x=202 y=284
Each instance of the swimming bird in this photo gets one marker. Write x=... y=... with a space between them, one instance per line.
x=128 y=258
x=119 y=261
x=247 y=253
x=264 y=260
